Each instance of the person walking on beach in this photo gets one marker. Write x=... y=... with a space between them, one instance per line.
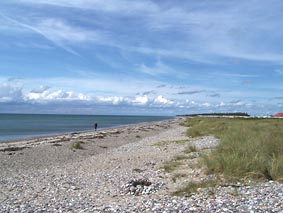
x=95 y=126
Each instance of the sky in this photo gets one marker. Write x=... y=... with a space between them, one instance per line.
x=149 y=57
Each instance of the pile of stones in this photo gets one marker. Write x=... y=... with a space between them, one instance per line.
x=141 y=187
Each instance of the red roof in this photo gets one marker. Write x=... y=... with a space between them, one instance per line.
x=280 y=114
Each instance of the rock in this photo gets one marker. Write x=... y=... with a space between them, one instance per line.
x=141 y=186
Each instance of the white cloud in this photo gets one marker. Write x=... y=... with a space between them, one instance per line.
x=163 y=101
x=58 y=95
x=204 y=31
x=159 y=68
x=120 y=6
x=13 y=91
x=140 y=100
x=234 y=75
x=237 y=102
x=59 y=32
x=40 y=89
x=10 y=91
x=111 y=100
x=206 y=105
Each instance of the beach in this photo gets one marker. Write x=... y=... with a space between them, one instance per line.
x=119 y=170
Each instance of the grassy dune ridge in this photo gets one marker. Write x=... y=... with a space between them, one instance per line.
x=249 y=147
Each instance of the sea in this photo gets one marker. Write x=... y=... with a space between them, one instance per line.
x=23 y=126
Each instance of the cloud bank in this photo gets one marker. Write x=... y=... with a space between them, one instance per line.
x=45 y=98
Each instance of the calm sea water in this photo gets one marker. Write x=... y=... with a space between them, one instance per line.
x=20 y=126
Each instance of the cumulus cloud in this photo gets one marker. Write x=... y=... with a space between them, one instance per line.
x=10 y=91
x=160 y=100
x=140 y=100
x=115 y=100
x=58 y=95
x=206 y=104
x=40 y=89
x=13 y=91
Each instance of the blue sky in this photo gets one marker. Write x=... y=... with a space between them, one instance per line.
x=141 y=57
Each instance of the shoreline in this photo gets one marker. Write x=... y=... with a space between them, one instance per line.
x=87 y=129
x=82 y=132
x=45 y=152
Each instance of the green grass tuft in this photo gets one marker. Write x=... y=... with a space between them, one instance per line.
x=190 y=149
x=77 y=145
x=181 y=141
x=181 y=157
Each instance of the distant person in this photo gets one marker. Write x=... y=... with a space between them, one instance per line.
x=95 y=126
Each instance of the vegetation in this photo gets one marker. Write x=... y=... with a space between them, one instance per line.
x=172 y=165
x=249 y=148
x=241 y=114
x=181 y=157
x=164 y=143
x=192 y=187
x=190 y=149
x=178 y=175
x=77 y=145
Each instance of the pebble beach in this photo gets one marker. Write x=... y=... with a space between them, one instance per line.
x=121 y=170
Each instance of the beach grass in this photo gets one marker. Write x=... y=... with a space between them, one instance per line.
x=190 y=149
x=249 y=147
x=171 y=165
x=180 y=157
x=177 y=176
x=192 y=187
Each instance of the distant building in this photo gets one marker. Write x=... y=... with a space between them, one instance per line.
x=278 y=115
